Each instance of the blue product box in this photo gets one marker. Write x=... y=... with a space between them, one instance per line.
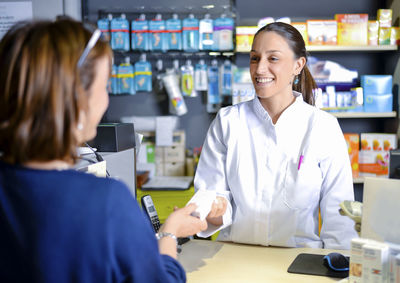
x=378 y=102
x=376 y=84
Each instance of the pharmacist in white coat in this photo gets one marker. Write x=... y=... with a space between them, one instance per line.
x=276 y=161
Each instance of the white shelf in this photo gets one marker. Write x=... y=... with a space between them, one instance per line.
x=351 y=48
x=359 y=180
x=392 y=114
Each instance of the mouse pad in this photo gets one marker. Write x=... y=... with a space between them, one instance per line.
x=314 y=265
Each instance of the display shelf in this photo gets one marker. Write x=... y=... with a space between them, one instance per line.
x=392 y=114
x=341 y=48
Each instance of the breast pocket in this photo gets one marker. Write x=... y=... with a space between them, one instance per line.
x=302 y=184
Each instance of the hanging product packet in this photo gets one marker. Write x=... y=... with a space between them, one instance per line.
x=143 y=74
x=206 y=33
x=104 y=26
x=213 y=96
x=174 y=33
x=225 y=77
x=187 y=79
x=120 y=33
x=223 y=33
x=140 y=33
x=200 y=76
x=190 y=34
x=126 y=84
x=114 y=80
x=158 y=40
x=177 y=103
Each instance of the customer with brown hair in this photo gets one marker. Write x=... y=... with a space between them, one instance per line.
x=57 y=224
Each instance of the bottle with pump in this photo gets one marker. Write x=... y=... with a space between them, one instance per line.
x=213 y=96
x=143 y=74
x=200 y=76
x=206 y=33
x=187 y=81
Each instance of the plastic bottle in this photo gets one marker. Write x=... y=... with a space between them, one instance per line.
x=225 y=77
x=213 y=97
x=170 y=82
x=200 y=76
x=206 y=33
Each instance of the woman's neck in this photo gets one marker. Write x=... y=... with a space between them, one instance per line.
x=48 y=165
x=276 y=105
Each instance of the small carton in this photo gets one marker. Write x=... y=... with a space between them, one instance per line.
x=302 y=28
x=315 y=32
x=384 y=18
x=394 y=36
x=378 y=141
x=353 y=144
x=330 y=32
x=244 y=38
x=352 y=29
x=375 y=262
x=373 y=29
x=384 y=36
x=394 y=251
x=374 y=163
x=174 y=154
x=356 y=259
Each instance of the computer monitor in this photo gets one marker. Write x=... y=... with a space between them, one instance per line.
x=394 y=164
x=381 y=210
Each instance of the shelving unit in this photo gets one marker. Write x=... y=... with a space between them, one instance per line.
x=353 y=115
x=341 y=48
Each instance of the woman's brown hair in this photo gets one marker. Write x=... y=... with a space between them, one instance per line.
x=42 y=90
x=306 y=84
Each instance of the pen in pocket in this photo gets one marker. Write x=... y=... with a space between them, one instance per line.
x=300 y=161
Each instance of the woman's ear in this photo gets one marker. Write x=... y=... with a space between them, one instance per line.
x=299 y=65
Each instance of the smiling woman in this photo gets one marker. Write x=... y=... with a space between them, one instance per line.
x=277 y=160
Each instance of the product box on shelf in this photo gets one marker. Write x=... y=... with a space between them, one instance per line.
x=302 y=28
x=375 y=262
x=384 y=17
x=330 y=32
x=174 y=154
x=378 y=141
x=353 y=145
x=373 y=29
x=394 y=36
x=356 y=259
x=315 y=32
x=378 y=102
x=384 y=36
x=244 y=38
x=376 y=84
x=352 y=29
x=174 y=168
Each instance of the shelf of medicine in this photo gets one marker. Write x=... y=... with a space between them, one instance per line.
x=340 y=48
x=392 y=114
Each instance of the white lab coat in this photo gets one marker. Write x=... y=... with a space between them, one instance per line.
x=255 y=165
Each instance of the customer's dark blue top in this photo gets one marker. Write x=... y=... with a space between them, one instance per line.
x=68 y=226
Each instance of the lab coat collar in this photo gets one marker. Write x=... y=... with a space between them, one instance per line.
x=263 y=114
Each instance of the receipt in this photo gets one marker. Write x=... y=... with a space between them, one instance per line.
x=204 y=200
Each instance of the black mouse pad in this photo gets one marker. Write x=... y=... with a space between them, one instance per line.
x=314 y=265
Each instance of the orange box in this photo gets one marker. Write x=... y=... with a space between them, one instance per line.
x=352 y=29
x=374 y=163
x=353 y=145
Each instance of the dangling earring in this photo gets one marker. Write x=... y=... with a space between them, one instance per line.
x=296 y=80
x=79 y=126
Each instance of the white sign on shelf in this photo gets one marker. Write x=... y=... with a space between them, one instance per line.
x=12 y=12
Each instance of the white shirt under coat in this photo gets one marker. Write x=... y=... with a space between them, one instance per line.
x=254 y=164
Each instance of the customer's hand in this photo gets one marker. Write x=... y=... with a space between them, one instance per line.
x=218 y=209
x=182 y=224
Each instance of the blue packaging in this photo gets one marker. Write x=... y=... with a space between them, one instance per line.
x=376 y=84
x=143 y=74
x=378 y=102
x=126 y=84
x=213 y=96
x=174 y=33
x=225 y=77
x=104 y=26
x=120 y=33
x=206 y=33
x=223 y=33
x=114 y=80
x=158 y=40
x=140 y=34
x=190 y=34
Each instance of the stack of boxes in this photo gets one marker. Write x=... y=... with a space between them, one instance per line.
x=378 y=95
x=162 y=160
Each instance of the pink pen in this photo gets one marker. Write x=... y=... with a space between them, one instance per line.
x=300 y=161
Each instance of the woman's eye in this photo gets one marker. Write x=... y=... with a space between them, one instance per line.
x=253 y=58
x=273 y=59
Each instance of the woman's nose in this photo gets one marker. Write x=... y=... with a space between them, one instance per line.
x=262 y=67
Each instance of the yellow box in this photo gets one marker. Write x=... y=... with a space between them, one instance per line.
x=384 y=36
x=373 y=29
x=352 y=29
x=384 y=18
x=244 y=38
x=302 y=28
x=395 y=36
x=165 y=201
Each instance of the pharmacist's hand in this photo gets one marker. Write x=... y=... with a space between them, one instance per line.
x=218 y=209
x=182 y=224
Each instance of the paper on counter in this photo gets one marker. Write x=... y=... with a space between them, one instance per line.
x=204 y=200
